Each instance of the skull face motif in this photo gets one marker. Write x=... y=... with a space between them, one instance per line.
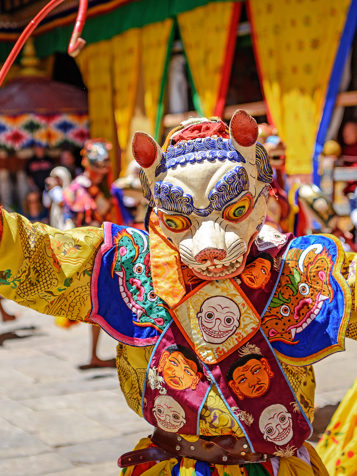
x=169 y=414
x=218 y=319
x=276 y=424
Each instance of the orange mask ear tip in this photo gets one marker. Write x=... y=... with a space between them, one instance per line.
x=144 y=149
x=244 y=128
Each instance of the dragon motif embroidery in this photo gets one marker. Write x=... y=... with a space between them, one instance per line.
x=135 y=284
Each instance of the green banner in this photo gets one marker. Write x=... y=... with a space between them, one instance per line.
x=103 y=27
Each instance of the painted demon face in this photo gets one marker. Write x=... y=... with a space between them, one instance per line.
x=276 y=424
x=299 y=298
x=218 y=319
x=169 y=414
x=209 y=191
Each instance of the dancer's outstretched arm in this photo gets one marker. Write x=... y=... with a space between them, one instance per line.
x=46 y=269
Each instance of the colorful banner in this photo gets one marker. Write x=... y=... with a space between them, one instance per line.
x=156 y=40
x=27 y=130
x=206 y=32
x=126 y=66
x=95 y=63
x=334 y=84
x=112 y=93
x=295 y=46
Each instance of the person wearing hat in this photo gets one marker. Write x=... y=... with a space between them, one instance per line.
x=87 y=199
x=88 y=202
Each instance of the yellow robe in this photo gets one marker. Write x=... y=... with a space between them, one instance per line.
x=338 y=445
x=50 y=271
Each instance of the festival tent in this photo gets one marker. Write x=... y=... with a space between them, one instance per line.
x=34 y=110
x=300 y=49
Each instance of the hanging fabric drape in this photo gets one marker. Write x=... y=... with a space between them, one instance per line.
x=208 y=35
x=110 y=70
x=335 y=81
x=295 y=45
x=156 y=42
x=95 y=63
x=126 y=57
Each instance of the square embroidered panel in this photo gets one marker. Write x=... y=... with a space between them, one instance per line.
x=216 y=319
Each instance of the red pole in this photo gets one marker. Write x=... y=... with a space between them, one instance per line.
x=75 y=45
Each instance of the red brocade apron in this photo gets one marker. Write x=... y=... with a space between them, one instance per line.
x=215 y=339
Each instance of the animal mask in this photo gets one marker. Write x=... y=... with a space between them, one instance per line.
x=209 y=187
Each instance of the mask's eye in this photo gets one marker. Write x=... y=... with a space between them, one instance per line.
x=304 y=289
x=138 y=268
x=152 y=296
x=285 y=310
x=209 y=315
x=237 y=211
x=175 y=223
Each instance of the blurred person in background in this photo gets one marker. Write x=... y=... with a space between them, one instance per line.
x=88 y=202
x=68 y=160
x=87 y=199
x=38 y=168
x=349 y=138
x=33 y=209
x=349 y=152
x=52 y=198
x=278 y=206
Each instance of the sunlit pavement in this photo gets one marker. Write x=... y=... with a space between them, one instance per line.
x=58 y=420
x=54 y=418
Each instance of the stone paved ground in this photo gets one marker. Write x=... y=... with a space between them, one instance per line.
x=54 y=418
x=58 y=421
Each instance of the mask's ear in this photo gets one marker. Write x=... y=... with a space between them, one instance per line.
x=243 y=130
x=147 y=153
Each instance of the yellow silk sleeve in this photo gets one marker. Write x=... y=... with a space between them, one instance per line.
x=46 y=269
x=349 y=273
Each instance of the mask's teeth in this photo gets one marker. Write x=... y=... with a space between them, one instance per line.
x=231 y=268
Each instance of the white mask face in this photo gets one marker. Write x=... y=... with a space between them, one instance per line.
x=169 y=414
x=210 y=195
x=276 y=424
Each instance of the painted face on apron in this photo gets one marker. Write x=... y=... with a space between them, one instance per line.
x=218 y=319
x=276 y=424
x=250 y=376
x=180 y=370
x=169 y=414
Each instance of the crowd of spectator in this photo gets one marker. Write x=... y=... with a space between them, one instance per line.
x=25 y=184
